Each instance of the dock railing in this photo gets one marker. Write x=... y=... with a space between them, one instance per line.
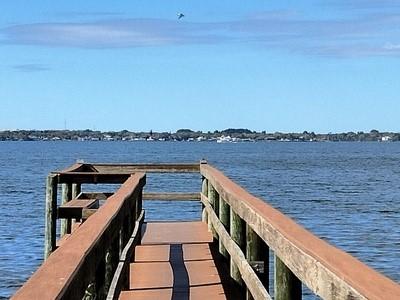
x=92 y=259
x=246 y=227
x=84 y=265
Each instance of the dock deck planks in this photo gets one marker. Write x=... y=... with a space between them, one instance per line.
x=173 y=262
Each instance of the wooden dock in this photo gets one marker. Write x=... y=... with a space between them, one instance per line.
x=107 y=250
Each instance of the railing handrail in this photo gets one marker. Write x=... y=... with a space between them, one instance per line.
x=329 y=272
x=56 y=275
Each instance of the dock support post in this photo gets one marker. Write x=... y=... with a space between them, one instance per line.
x=213 y=198
x=76 y=190
x=257 y=252
x=224 y=212
x=287 y=285
x=66 y=196
x=51 y=215
x=237 y=232
x=204 y=191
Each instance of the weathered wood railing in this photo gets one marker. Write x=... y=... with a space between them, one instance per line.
x=94 y=259
x=246 y=227
x=84 y=265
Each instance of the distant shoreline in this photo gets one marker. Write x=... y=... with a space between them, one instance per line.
x=224 y=136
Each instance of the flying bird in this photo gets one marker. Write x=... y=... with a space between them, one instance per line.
x=180 y=16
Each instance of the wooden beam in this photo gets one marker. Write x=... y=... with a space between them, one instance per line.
x=257 y=253
x=204 y=191
x=76 y=190
x=73 y=209
x=224 y=212
x=238 y=235
x=120 y=279
x=66 y=196
x=213 y=201
x=247 y=273
x=171 y=196
x=287 y=285
x=92 y=177
x=148 y=168
x=51 y=215
x=95 y=195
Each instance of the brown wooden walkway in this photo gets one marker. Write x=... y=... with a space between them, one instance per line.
x=175 y=261
x=107 y=258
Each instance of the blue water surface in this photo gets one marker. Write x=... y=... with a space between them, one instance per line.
x=346 y=193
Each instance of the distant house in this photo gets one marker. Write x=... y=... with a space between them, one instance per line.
x=386 y=138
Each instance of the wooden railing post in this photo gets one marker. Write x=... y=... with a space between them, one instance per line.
x=213 y=198
x=139 y=204
x=204 y=191
x=66 y=196
x=257 y=254
x=76 y=190
x=51 y=215
x=287 y=285
x=224 y=212
x=238 y=234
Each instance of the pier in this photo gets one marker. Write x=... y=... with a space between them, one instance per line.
x=106 y=249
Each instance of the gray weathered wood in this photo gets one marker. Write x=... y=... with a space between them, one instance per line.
x=204 y=191
x=171 y=196
x=257 y=251
x=238 y=235
x=76 y=190
x=51 y=215
x=149 y=168
x=213 y=200
x=121 y=276
x=287 y=285
x=66 y=196
x=224 y=212
x=74 y=209
x=248 y=275
x=316 y=263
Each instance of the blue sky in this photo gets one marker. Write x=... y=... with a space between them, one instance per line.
x=324 y=66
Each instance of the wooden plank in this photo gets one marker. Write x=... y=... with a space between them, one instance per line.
x=171 y=196
x=327 y=271
x=51 y=215
x=148 y=168
x=248 y=275
x=74 y=208
x=92 y=177
x=175 y=233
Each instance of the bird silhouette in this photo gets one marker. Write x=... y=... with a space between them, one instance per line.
x=180 y=16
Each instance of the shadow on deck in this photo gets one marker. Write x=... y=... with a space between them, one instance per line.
x=177 y=260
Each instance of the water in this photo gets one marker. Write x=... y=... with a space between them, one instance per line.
x=346 y=193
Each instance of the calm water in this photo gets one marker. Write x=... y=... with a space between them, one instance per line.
x=347 y=193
